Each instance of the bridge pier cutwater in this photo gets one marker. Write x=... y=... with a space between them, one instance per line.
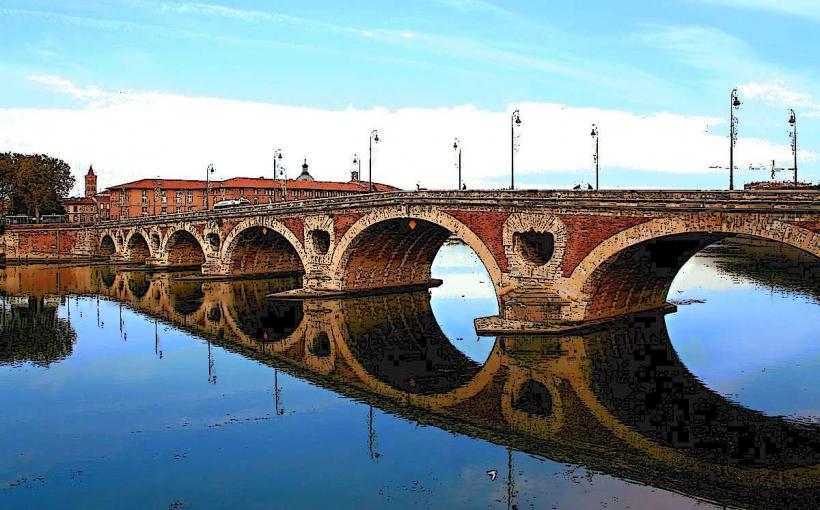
x=558 y=260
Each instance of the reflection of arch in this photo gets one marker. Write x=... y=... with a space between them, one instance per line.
x=397 y=309
x=107 y=246
x=260 y=249
x=186 y=297
x=183 y=248
x=633 y=270
x=138 y=284
x=137 y=247
x=397 y=246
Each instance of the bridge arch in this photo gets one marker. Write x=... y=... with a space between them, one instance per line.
x=183 y=247
x=397 y=246
x=634 y=269
x=137 y=246
x=107 y=246
x=262 y=246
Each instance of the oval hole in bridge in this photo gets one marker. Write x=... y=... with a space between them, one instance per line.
x=321 y=241
x=534 y=247
x=213 y=241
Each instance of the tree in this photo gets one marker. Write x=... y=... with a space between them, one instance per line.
x=34 y=184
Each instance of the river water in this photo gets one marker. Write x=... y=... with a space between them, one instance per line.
x=128 y=389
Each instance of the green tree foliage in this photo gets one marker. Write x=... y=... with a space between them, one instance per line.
x=33 y=184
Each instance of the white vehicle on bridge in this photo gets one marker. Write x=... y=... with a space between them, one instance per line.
x=225 y=204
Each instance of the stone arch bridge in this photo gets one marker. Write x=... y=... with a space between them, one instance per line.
x=557 y=259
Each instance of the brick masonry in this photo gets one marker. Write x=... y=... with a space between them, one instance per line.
x=391 y=240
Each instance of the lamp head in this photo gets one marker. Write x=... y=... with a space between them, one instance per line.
x=792 y=118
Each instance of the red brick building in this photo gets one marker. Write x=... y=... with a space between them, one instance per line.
x=91 y=207
x=151 y=197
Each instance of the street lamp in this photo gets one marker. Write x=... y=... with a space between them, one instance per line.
x=277 y=159
x=208 y=172
x=594 y=135
x=457 y=147
x=734 y=104
x=793 y=136
x=374 y=137
x=357 y=167
x=515 y=121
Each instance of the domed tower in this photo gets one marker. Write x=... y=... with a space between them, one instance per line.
x=90 y=182
x=305 y=175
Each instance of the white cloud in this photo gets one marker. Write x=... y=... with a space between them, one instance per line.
x=776 y=93
x=801 y=8
x=130 y=135
x=407 y=35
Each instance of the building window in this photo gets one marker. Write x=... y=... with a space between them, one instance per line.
x=164 y=211
x=164 y=197
x=145 y=196
x=144 y=210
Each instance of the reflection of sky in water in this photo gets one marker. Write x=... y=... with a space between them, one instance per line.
x=114 y=426
x=759 y=347
x=466 y=293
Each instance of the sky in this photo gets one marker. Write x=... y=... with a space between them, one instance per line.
x=143 y=88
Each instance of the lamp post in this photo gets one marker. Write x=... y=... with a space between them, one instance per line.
x=515 y=120
x=457 y=147
x=357 y=167
x=594 y=135
x=208 y=172
x=793 y=136
x=374 y=137
x=277 y=160
x=734 y=104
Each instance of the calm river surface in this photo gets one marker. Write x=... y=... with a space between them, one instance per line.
x=127 y=389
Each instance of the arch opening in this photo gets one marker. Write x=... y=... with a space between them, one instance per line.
x=261 y=250
x=107 y=247
x=138 y=249
x=393 y=253
x=639 y=277
x=184 y=250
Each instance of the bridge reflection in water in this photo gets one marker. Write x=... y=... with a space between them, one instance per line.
x=617 y=400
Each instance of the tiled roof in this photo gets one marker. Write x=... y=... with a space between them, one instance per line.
x=251 y=182
x=78 y=201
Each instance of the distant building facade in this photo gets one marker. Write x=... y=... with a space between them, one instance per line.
x=91 y=207
x=153 y=197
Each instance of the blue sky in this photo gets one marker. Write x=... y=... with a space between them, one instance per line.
x=633 y=58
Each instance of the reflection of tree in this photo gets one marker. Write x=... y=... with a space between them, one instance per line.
x=768 y=263
x=31 y=332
